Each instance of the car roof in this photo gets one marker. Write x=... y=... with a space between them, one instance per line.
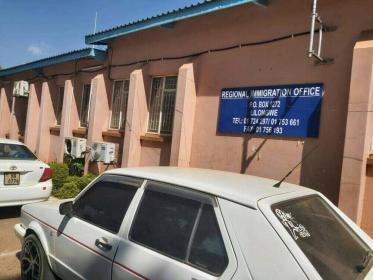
x=243 y=189
x=10 y=141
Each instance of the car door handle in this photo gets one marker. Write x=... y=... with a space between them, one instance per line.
x=103 y=243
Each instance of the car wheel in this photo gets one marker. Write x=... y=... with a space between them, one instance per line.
x=34 y=263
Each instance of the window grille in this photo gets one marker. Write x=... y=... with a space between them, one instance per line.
x=162 y=105
x=61 y=91
x=84 y=110
x=119 y=104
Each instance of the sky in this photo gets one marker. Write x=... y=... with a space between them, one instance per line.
x=35 y=29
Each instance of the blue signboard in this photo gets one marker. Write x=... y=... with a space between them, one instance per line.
x=286 y=110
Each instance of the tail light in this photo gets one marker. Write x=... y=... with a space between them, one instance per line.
x=47 y=174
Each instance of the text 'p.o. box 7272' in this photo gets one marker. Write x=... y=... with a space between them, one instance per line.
x=286 y=110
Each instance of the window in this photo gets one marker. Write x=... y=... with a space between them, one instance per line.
x=15 y=152
x=84 y=109
x=323 y=237
x=180 y=227
x=119 y=104
x=208 y=251
x=61 y=91
x=162 y=105
x=165 y=223
x=106 y=202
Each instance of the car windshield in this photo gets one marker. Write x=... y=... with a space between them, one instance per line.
x=15 y=152
x=328 y=242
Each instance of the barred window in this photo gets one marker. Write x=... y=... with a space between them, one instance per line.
x=119 y=104
x=60 y=93
x=162 y=105
x=84 y=109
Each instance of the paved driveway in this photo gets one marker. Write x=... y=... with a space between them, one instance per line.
x=9 y=244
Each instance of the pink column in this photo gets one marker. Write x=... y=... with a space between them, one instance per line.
x=359 y=132
x=4 y=113
x=99 y=110
x=46 y=120
x=32 y=119
x=183 y=125
x=99 y=113
x=137 y=112
x=13 y=129
x=66 y=115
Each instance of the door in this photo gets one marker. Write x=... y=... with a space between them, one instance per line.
x=86 y=243
x=175 y=234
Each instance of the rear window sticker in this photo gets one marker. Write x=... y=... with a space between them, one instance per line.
x=297 y=230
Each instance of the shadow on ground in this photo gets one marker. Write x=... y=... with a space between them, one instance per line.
x=10 y=212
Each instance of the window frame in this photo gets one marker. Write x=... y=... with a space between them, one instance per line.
x=203 y=198
x=111 y=108
x=81 y=106
x=97 y=180
x=161 y=105
x=59 y=123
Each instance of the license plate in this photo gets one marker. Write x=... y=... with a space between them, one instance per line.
x=11 y=178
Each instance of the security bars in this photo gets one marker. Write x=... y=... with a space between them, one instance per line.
x=162 y=105
x=119 y=104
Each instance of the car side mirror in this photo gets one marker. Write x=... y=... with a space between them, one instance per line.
x=66 y=209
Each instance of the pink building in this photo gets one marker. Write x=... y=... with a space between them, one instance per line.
x=157 y=94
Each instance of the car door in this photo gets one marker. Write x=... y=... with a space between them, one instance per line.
x=86 y=243
x=175 y=234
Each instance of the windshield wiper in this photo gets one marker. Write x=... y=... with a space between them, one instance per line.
x=363 y=265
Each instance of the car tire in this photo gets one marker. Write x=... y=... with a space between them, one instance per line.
x=34 y=263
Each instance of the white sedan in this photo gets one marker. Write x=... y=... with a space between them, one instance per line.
x=23 y=177
x=171 y=223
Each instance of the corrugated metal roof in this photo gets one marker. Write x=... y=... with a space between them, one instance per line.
x=164 y=19
x=61 y=58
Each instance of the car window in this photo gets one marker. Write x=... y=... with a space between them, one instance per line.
x=106 y=202
x=331 y=246
x=165 y=222
x=180 y=227
x=15 y=152
x=207 y=250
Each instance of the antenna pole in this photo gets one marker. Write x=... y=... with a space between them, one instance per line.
x=278 y=184
x=94 y=30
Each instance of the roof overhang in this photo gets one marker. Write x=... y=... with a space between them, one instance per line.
x=62 y=58
x=167 y=19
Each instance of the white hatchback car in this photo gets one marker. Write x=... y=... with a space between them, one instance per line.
x=184 y=224
x=23 y=177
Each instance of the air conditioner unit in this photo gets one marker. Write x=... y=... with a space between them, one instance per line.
x=75 y=147
x=103 y=151
x=21 y=89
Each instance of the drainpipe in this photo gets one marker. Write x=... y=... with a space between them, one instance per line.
x=313 y=23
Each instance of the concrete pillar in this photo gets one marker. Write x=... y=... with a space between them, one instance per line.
x=14 y=129
x=18 y=118
x=46 y=121
x=4 y=112
x=98 y=113
x=137 y=112
x=183 y=125
x=359 y=131
x=65 y=128
x=99 y=109
x=32 y=118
